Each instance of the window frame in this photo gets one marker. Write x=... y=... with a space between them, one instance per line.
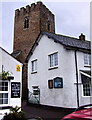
x=87 y=59
x=53 y=61
x=5 y=92
x=85 y=92
x=85 y=79
x=34 y=66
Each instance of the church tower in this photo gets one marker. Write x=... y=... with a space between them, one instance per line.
x=29 y=22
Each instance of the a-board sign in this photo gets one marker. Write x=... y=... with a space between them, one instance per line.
x=15 y=89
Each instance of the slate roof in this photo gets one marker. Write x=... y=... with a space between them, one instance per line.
x=66 y=41
x=9 y=54
x=69 y=41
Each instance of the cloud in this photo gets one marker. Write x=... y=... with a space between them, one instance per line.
x=72 y=18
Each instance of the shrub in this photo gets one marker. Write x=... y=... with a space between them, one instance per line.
x=14 y=114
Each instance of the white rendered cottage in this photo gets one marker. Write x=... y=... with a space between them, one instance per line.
x=10 y=87
x=59 y=71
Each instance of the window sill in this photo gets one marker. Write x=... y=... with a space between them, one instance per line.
x=87 y=66
x=25 y=28
x=55 y=67
x=86 y=96
x=34 y=72
x=78 y=83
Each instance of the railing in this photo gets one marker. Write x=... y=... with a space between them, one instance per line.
x=33 y=98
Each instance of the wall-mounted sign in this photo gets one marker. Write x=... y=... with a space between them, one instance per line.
x=18 y=68
x=58 y=82
x=15 y=89
x=50 y=84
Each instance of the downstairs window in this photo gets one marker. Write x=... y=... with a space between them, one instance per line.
x=4 y=92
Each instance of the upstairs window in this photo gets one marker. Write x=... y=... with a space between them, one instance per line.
x=34 y=66
x=53 y=60
x=87 y=59
x=26 y=23
x=48 y=26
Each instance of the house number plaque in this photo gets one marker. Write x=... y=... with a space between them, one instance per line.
x=15 y=90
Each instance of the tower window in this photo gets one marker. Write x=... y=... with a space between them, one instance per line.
x=26 y=23
x=48 y=26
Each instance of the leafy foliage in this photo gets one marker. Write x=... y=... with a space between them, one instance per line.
x=15 y=114
x=4 y=75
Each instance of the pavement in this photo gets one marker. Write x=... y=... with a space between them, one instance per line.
x=39 y=112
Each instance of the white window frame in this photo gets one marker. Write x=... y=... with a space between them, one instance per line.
x=87 y=59
x=34 y=66
x=5 y=92
x=85 y=92
x=53 y=60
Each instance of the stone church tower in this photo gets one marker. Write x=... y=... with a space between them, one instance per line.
x=29 y=22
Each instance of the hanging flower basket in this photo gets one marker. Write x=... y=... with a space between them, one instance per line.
x=10 y=78
x=6 y=76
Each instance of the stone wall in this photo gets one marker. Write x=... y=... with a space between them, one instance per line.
x=40 y=19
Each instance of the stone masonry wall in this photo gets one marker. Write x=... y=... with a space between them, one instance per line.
x=40 y=19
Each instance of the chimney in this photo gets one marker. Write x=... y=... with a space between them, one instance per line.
x=82 y=37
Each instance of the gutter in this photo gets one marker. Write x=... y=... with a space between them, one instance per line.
x=77 y=78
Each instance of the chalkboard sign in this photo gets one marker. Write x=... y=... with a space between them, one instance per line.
x=15 y=89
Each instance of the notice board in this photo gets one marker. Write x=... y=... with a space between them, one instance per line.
x=15 y=89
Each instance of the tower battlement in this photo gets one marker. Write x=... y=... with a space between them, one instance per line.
x=33 y=7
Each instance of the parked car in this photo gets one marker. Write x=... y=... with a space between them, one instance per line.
x=81 y=113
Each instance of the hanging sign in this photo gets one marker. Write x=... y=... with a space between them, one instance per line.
x=15 y=89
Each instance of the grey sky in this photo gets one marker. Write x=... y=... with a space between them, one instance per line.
x=71 y=19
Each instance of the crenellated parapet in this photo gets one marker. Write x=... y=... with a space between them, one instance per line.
x=34 y=7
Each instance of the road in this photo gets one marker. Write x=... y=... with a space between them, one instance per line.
x=43 y=112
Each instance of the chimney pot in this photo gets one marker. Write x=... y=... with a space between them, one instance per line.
x=82 y=37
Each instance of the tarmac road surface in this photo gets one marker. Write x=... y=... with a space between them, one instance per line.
x=38 y=112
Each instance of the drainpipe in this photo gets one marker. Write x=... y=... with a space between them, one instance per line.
x=77 y=78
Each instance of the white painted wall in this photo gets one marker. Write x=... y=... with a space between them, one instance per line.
x=9 y=64
x=62 y=97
